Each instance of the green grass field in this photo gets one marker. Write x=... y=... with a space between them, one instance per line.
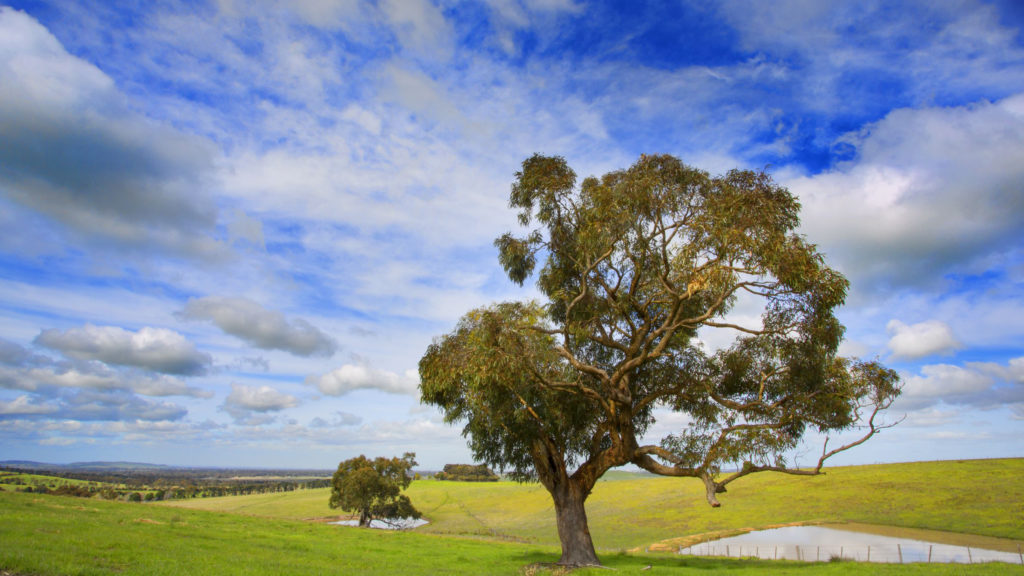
x=500 y=528
x=52 y=535
x=10 y=480
x=627 y=511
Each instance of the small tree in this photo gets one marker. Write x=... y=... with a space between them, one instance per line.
x=636 y=266
x=372 y=488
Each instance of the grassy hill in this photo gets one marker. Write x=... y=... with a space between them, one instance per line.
x=499 y=528
x=626 y=511
x=52 y=535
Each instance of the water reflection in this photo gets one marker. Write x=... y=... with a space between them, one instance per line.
x=820 y=544
x=388 y=524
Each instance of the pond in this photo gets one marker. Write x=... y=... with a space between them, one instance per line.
x=387 y=524
x=821 y=544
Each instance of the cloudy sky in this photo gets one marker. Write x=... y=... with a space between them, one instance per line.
x=231 y=228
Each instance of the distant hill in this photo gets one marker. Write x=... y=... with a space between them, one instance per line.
x=82 y=466
x=145 y=468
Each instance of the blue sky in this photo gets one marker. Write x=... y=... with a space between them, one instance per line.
x=232 y=228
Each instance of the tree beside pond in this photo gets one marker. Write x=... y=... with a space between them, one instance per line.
x=372 y=488
x=639 y=268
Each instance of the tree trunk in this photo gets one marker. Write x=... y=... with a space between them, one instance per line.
x=573 y=531
x=364 y=518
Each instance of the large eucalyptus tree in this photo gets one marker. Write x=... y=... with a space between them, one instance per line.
x=638 y=266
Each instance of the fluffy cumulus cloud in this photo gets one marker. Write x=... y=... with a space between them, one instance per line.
x=116 y=405
x=351 y=377
x=259 y=398
x=86 y=390
x=76 y=155
x=260 y=327
x=920 y=340
x=251 y=404
x=931 y=192
x=985 y=385
x=22 y=370
x=156 y=349
x=85 y=404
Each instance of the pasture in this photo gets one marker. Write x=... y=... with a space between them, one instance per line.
x=980 y=498
x=504 y=528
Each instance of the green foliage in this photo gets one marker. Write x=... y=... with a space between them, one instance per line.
x=632 y=265
x=467 y=473
x=484 y=373
x=372 y=488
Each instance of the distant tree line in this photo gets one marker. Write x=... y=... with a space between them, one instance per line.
x=467 y=473
x=146 y=486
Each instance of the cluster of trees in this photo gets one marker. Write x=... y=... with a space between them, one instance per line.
x=467 y=473
x=636 y=269
x=228 y=488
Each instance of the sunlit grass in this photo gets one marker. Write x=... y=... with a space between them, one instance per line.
x=982 y=497
x=51 y=535
x=67 y=536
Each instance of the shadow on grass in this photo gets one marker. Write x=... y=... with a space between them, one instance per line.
x=541 y=564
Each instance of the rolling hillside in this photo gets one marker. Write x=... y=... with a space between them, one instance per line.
x=980 y=497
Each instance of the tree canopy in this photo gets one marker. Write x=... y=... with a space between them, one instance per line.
x=467 y=473
x=637 y=268
x=372 y=488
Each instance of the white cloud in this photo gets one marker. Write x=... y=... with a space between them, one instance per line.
x=983 y=385
x=76 y=155
x=94 y=376
x=156 y=349
x=417 y=92
x=247 y=228
x=965 y=48
x=421 y=27
x=260 y=327
x=946 y=380
x=22 y=406
x=932 y=192
x=352 y=377
x=539 y=16
x=259 y=399
x=339 y=419
x=931 y=417
x=114 y=405
x=323 y=13
x=920 y=340
x=1013 y=371
x=364 y=118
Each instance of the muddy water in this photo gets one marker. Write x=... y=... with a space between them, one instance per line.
x=820 y=543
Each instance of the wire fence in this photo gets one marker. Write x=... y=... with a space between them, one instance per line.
x=885 y=553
